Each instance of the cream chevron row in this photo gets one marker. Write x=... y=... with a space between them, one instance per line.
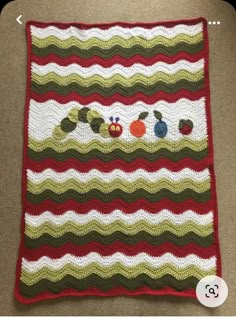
x=118 y=258
x=62 y=177
x=119 y=194
x=126 y=72
x=72 y=216
x=107 y=34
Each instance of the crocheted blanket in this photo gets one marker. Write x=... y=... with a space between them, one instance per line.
x=119 y=192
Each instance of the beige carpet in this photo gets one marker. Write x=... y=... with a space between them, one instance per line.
x=12 y=89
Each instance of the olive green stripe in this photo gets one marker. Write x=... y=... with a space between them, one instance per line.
x=148 y=90
x=174 y=156
x=129 y=198
x=93 y=236
x=117 y=41
x=117 y=183
x=108 y=229
x=104 y=271
x=119 y=145
x=138 y=78
x=105 y=285
x=118 y=50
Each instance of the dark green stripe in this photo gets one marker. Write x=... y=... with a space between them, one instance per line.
x=118 y=50
x=118 y=154
x=47 y=239
x=117 y=88
x=107 y=284
x=117 y=193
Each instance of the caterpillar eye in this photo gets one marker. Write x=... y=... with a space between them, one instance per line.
x=113 y=127
x=117 y=128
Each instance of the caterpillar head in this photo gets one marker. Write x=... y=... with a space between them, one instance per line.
x=115 y=129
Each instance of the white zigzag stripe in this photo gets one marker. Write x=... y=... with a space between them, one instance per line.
x=126 y=72
x=61 y=177
x=126 y=33
x=129 y=261
x=184 y=102
x=43 y=117
x=117 y=215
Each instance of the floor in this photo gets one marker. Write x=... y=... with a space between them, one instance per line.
x=12 y=88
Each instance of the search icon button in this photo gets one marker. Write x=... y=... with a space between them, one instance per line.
x=212 y=291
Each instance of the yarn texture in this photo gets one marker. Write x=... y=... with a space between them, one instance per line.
x=119 y=193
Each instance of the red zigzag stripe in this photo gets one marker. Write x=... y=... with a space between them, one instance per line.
x=154 y=208
x=98 y=164
x=117 y=59
x=119 y=290
x=130 y=250
x=108 y=25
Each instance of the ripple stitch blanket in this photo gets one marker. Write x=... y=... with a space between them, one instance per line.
x=119 y=193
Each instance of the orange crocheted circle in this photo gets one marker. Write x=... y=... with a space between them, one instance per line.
x=137 y=128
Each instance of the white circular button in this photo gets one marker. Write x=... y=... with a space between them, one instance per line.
x=212 y=291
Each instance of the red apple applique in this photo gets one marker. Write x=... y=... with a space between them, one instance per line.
x=185 y=126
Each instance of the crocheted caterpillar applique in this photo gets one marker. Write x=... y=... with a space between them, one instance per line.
x=85 y=115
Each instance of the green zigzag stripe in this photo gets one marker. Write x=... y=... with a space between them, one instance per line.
x=103 y=271
x=125 y=186
x=107 y=284
x=117 y=88
x=118 y=79
x=118 y=50
x=93 y=236
x=129 y=198
x=174 y=156
x=108 y=229
x=108 y=147
x=117 y=40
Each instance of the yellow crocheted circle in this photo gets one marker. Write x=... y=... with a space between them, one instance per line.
x=58 y=133
x=74 y=115
x=92 y=114
x=103 y=130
